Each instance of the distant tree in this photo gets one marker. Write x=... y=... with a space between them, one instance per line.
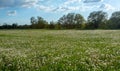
x=14 y=26
x=58 y=26
x=38 y=23
x=41 y=22
x=97 y=19
x=114 y=21
x=52 y=25
x=71 y=20
x=79 y=21
x=25 y=26
x=63 y=21
x=6 y=26
x=33 y=22
x=46 y=26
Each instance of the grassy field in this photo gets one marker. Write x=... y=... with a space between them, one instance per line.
x=59 y=50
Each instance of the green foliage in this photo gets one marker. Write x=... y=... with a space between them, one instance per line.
x=97 y=19
x=114 y=22
x=59 y=50
x=38 y=23
x=71 y=21
x=58 y=26
x=52 y=25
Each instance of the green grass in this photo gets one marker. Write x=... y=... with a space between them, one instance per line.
x=59 y=50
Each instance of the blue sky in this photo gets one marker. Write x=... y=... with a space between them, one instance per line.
x=20 y=11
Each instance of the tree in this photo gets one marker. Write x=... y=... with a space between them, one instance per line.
x=38 y=23
x=6 y=26
x=41 y=23
x=58 y=26
x=14 y=26
x=33 y=22
x=52 y=25
x=114 y=21
x=71 y=20
x=63 y=21
x=79 y=21
x=97 y=19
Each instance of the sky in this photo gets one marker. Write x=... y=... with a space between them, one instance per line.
x=20 y=11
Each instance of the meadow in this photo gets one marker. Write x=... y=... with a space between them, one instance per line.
x=59 y=50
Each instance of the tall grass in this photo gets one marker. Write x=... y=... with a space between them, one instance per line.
x=59 y=50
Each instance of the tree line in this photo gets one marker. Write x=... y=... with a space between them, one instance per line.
x=95 y=20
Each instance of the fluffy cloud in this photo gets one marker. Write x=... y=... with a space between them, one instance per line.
x=75 y=5
x=55 y=6
x=91 y=1
x=107 y=7
x=71 y=1
x=45 y=8
x=11 y=13
x=28 y=3
x=68 y=8
x=18 y=3
x=65 y=6
x=82 y=5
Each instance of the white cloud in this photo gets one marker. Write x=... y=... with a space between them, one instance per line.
x=45 y=8
x=28 y=3
x=49 y=6
x=71 y=1
x=107 y=7
x=68 y=8
x=85 y=8
x=91 y=1
x=11 y=13
x=18 y=3
x=65 y=6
